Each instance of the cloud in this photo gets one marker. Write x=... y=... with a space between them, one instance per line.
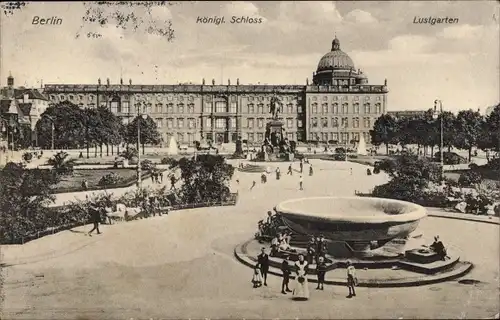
x=464 y=31
x=239 y=8
x=410 y=43
x=360 y=16
x=304 y=12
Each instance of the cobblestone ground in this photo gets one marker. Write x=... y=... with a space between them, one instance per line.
x=182 y=265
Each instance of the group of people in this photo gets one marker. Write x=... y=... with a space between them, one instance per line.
x=301 y=268
x=316 y=248
x=156 y=176
x=281 y=243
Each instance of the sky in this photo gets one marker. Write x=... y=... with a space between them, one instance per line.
x=456 y=63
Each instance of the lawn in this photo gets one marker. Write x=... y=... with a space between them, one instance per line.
x=92 y=177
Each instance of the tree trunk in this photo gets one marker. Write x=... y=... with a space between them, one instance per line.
x=112 y=150
x=470 y=153
x=449 y=149
x=432 y=152
x=418 y=149
x=107 y=150
x=88 y=150
x=95 y=154
x=143 y=149
x=100 y=150
x=387 y=148
x=118 y=149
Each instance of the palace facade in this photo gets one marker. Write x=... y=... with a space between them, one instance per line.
x=339 y=105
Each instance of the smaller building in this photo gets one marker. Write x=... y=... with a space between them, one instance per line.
x=406 y=113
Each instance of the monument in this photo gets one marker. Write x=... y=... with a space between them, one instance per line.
x=173 y=148
x=361 y=146
x=276 y=146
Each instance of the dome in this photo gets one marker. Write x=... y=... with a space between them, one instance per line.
x=335 y=59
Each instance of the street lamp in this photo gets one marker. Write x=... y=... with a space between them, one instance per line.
x=5 y=128
x=139 y=116
x=435 y=116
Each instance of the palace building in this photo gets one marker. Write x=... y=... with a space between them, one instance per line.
x=339 y=105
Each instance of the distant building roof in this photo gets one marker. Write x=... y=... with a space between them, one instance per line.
x=406 y=113
x=32 y=94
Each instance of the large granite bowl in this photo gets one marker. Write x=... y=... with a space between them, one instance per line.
x=351 y=218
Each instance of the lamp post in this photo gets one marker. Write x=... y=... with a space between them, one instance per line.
x=435 y=116
x=139 y=178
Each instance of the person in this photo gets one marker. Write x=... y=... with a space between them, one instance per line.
x=253 y=185
x=95 y=218
x=278 y=173
x=301 y=165
x=161 y=176
x=368 y=172
x=350 y=170
x=172 y=182
x=263 y=260
x=438 y=247
x=301 y=182
x=290 y=172
x=263 y=178
x=257 y=277
x=274 y=246
x=285 y=268
x=301 y=290
x=284 y=244
x=311 y=250
x=321 y=270
x=320 y=247
x=310 y=170
x=237 y=181
x=351 y=279
x=85 y=185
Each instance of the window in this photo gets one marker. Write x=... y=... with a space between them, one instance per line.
x=71 y=97
x=250 y=98
x=260 y=136
x=314 y=108
x=250 y=137
x=250 y=123
x=299 y=123
x=190 y=138
x=345 y=108
x=180 y=137
x=80 y=97
x=220 y=106
x=314 y=122
x=149 y=108
x=208 y=107
x=191 y=123
x=289 y=135
x=170 y=108
x=367 y=98
x=260 y=123
x=325 y=107
x=191 y=108
x=378 y=108
x=335 y=108
x=232 y=123
x=170 y=123
x=345 y=123
x=290 y=108
x=367 y=108
x=220 y=123
x=378 y=98
x=233 y=107
x=61 y=97
x=355 y=108
x=180 y=123
x=335 y=122
x=367 y=122
x=299 y=109
x=114 y=107
x=251 y=108
x=335 y=98
x=208 y=123
x=260 y=108
x=180 y=108
x=356 y=98
x=125 y=107
x=159 y=123
x=159 y=108
x=181 y=98
x=355 y=136
x=355 y=123
x=325 y=98
x=324 y=122
x=52 y=97
x=289 y=123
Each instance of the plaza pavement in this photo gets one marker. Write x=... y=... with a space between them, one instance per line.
x=182 y=265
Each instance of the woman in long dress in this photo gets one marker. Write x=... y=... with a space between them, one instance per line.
x=301 y=290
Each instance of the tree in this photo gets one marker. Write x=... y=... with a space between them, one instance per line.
x=110 y=128
x=61 y=163
x=148 y=129
x=490 y=136
x=24 y=195
x=204 y=179
x=385 y=131
x=69 y=126
x=468 y=125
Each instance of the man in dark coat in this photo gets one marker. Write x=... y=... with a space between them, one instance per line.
x=285 y=267
x=263 y=260
x=95 y=218
x=321 y=270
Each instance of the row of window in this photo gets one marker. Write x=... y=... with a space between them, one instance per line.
x=344 y=108
x=182 y=137
x=259 y=136
x=323 y=122
x=345 y=98
x=344 y=137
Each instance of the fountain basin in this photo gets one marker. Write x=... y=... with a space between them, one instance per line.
x=351 y=218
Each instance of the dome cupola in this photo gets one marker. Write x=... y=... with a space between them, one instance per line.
x=335 y=59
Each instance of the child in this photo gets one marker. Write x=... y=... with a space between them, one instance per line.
x=257 y=277
x=321 y=270
x=351 y=279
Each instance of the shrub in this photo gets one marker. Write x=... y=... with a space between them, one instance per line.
x=167 y=160
x=27 y=156
x=109 y=179
x=339 y=157
x=469 y=178
x=147 y=165
x=129 y=153
x=352 y=156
